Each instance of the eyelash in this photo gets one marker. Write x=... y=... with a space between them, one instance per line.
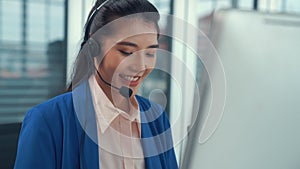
x=125 y=53
x=130 y=53
x=149 y=55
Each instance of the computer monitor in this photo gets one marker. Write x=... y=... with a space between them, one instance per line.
x=260 y=126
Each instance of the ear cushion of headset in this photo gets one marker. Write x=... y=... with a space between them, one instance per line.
x=94 y=47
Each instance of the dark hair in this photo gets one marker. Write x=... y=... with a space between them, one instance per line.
x=98 y=17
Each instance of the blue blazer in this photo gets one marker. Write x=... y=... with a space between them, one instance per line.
x=61 y=134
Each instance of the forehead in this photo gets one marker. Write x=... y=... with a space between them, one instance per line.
x=128 y=29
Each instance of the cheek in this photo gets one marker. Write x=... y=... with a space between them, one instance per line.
x=111 y=62
x=151 y=62
x=147 y=72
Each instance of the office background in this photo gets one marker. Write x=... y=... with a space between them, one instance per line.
x=39 y=40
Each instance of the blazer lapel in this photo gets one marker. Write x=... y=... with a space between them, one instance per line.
x=86 y=122
x=148 y=133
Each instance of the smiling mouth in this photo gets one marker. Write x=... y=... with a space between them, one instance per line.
x=130 y=78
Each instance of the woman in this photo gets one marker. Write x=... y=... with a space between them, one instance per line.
x=101 y=122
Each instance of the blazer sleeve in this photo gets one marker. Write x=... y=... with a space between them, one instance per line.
x=36 y=148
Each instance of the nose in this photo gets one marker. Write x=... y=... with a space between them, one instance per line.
x=139 y=62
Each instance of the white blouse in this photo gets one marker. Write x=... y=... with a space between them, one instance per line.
x=119 y=133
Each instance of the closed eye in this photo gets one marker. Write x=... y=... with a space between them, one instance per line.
x=125 y=53
x=149 y=54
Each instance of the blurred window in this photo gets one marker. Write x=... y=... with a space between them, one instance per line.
x=276 y=6
x=285 y=6
x=32 y=55
x=245 y=4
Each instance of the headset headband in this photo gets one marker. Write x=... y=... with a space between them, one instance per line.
x=89 y=22
x=97 y=9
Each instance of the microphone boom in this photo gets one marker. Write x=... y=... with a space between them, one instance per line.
x=124 y=91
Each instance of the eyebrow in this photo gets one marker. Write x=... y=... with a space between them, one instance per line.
x=135 y=45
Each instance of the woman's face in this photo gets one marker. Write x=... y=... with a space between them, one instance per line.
x=129 y=54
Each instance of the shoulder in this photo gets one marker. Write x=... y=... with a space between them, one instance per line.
x=58 y=101
x=52 y=111
x=45 y=130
